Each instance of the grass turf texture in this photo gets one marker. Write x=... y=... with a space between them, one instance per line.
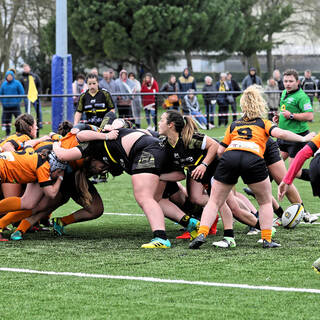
x=110 y=245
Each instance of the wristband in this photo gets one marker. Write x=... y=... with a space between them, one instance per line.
x=60 y=177
x=107 y=138
x=304 y=139
x=204 y=164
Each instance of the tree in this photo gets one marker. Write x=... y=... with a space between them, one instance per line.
x=274 y=16
x=147 y=32
x=263 y=19
x=8 y=10
x=213 y=25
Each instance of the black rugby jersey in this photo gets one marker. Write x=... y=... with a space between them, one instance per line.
x=193 y=154
x=95 y=107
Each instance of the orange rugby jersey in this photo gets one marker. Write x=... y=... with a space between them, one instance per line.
x=69 y=141
x=23 y=167
x=16 y=139
x=248 y=136
x=47 y=144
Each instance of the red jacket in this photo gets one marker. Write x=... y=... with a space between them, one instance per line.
x=151 y=87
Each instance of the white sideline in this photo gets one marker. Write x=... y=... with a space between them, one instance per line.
x=124 y=214
x=158 y=280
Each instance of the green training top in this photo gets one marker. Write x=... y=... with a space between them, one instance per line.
x=295 y=102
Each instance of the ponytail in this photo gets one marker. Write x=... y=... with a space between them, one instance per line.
x=189 y=129
x=82 y=187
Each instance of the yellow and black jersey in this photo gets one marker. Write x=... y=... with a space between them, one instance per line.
x=248 y=135
x=95 y=107
x=17 y=140
x=191 y=155
x=24 y=166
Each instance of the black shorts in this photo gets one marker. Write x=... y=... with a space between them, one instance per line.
x=68 y=188
x=236 y=163
x=147 y=158
x=272 y=153
x=170 y=189
x=291 y=147
x=209 y=173
x=315 y=175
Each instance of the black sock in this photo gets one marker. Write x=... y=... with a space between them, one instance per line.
x=305 y=175
x=278 y=212
x=228 y=233
x=184 y=221
x=160 y=234
x=257 y=226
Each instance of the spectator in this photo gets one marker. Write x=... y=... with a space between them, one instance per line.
x=172 y=85
x=223 y=103
x=11 y=106
x=309 y=84
x=78 y=86
x=209 y=100
x=112 y=74
x=95 y=71
x=95 y=103
x=25 y=82
x=124 y=103
x=278 y=78
x=251 y=79
x=192 y=104
x=272 y=98
x=233 y=86
x=149 y=84
x=186 y=82
x=109 y=84
x=136 y=103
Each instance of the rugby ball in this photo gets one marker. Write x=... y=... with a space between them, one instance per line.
x=292 y=215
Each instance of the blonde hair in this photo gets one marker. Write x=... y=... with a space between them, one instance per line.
x=188 y=130
x=253 y=104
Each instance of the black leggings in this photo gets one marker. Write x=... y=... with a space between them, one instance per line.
x=7 y=117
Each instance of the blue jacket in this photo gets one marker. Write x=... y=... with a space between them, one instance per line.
x=13 y=87
x=186 y=83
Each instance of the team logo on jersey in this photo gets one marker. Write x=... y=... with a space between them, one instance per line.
x=283 y=107
x=290 y=100
x=307 y=106
x=146 y=161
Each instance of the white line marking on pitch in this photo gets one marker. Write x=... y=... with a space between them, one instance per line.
x=158 y=280
x=124 y=214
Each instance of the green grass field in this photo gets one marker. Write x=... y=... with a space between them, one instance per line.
x=110 y=246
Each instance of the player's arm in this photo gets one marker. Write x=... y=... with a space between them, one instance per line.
x=88 y=135
x=77 y=117
x=34 y=142
x=212 y=148
x=304 y=154
x=51 y=191
x=305 y=116
x=290 y=136
x=66 y=154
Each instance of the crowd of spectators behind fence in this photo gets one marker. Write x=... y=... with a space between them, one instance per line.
x=216 y=106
